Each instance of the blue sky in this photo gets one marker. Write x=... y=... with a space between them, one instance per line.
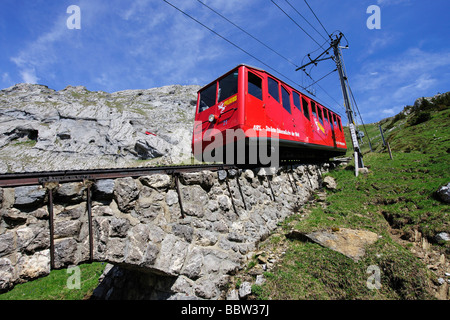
x=142 y=44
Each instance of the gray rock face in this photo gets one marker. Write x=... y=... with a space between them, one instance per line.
x=138 y=227
x=43 y=129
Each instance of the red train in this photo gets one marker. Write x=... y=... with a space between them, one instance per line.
x=248 y=107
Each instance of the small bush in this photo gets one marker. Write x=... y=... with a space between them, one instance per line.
x=419 y=117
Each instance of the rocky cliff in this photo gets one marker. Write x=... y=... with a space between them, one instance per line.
x=42 y=129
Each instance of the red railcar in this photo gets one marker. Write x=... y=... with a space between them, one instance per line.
x=251 y=106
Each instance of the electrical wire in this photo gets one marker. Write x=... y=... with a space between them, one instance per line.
x=317 y=19
x=253 y=37
x=232 y=43
x=305 y=19
x=321 y=78
x=257 y=59
x=296 y=23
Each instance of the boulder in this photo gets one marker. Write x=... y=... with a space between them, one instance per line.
x=28 y=196
x=245 y=289
x=349 y=242
x=444 y=193
x=442 y=236
x=126 y=191
x=104 y=189
x=329 y=183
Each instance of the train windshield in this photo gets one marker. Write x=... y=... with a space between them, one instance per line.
x=207 y=97
x=228 y=86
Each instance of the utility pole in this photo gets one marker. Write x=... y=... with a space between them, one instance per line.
x=351 y=121
x=334 y=44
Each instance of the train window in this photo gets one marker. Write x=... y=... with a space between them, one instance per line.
x=335 y=121
x=339 y=122
x=228 y=86
x=319 y=111
x=273 y=89
x=255 y=86
x=305 y=108
x=313 y=108
x=325 y=114
x=286 y=99
x=296 y=98
x=207 y=97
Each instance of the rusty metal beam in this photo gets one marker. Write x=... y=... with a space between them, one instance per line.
x=36 y=178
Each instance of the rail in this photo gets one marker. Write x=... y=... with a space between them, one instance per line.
x=38 y=178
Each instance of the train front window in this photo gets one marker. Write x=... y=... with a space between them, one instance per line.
x=255 y=86
x=273 y=89
x=207 y=97
x=228 y=86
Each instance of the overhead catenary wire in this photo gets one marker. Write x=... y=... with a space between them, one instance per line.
x=295 y=22
x=253 y=56
x=305 y=19
x=232 y=43
x=247 y=33
x=317 y=19
x=315 y=82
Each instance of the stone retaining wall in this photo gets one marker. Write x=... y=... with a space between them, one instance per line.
x=138 y=227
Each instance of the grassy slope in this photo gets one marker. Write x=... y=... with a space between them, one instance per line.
x=54 y=286
x=399 y=190
x=396 y=194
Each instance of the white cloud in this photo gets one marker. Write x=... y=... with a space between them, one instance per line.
x=385 y=86
x=38 y=53
x=29 y=76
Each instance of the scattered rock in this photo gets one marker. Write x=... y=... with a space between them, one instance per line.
x=233 y=295
x=260 y=280
x=444 y=193
x=442 y=236
x=329 y=183
x=349 y=242
x=245 y=289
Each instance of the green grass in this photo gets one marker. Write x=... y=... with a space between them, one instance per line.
x=54 y=286
x=398 y=193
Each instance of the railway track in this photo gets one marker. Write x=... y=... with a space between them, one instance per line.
x=50 y=180
x=39 y=178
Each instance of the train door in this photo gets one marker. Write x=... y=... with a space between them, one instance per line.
x=288 y=119
x=298 y=117
x=274 y=114
x=255 y=117
x=318 y=130
x=306 y=120
x=333 y=132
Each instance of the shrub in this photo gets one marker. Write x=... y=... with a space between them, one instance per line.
x=419 y=117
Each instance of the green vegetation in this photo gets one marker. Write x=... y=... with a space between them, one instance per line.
x=396 y=194
x=54 y=286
